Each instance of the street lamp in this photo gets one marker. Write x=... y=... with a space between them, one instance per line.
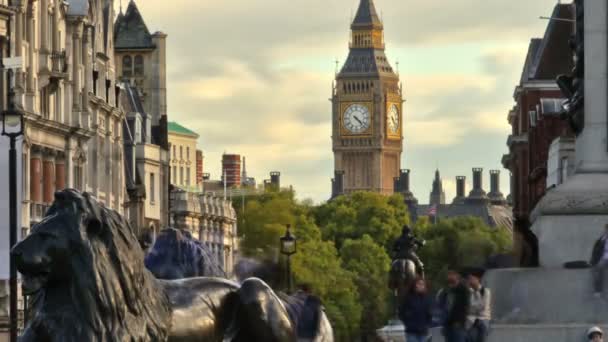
x=288 y=248
x=12 y=127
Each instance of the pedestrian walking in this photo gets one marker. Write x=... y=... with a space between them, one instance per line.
x=416 y=313
x=455 y=301
x=480 y=310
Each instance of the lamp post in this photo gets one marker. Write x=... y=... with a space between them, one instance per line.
x=12 y=127
x=288 y=248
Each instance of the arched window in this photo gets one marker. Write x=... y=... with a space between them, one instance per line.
x=127 y=66
x=139 y=65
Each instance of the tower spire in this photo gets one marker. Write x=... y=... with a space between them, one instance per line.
x=367 y=16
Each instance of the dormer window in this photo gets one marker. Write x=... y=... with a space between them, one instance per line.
x=127 y=67
x=139 y=65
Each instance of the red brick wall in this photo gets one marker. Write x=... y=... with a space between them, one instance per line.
x=199 y=167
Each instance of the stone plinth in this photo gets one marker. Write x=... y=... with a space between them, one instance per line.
x=545 y=296
x=570 y=218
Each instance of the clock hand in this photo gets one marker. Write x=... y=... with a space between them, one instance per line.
x=359 y=121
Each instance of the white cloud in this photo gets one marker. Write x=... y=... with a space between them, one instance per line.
x=254 y=77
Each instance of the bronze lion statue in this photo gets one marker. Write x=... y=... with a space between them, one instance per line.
x=84 y=269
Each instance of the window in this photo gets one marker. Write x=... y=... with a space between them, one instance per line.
x=552 y=106
x=174 y=174
x=532 y=114
x=188 y=176
x=181 y=176
x=181 y=152
x=127 y=66
x=152 y=188
x=174 y=154
x=188 y=153
x=139 y=65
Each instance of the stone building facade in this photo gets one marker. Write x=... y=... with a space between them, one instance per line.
x=210 y=219
x=67 y=89
x=183 y=163
x=141 y=71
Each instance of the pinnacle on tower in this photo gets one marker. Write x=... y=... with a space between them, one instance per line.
x=367 y=17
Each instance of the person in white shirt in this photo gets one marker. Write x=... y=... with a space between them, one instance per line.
x=599 y=262
x=480 y=310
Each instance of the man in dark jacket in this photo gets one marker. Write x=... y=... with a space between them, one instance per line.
x=599 y=261
x=456 y=302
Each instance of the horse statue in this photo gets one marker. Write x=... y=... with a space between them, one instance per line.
x=84 y=268
x=406 y=266
x=175 y=254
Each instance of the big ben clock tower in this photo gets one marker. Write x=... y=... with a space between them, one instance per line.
x=367 y=110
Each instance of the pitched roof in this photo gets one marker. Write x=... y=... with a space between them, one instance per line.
x=554 y=56
x=130 y=30
x=367 y=15
x=492 y=215
x=174 y=127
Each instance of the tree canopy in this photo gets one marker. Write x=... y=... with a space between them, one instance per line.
x=344 y=249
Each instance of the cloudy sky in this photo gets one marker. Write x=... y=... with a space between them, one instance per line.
x=254 y=78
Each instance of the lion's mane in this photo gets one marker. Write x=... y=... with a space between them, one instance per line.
x=115 y=296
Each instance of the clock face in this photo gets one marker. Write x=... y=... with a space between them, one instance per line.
x=356 y=118
x=393 y=119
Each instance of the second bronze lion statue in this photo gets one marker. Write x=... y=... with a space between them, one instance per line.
x=84 y=269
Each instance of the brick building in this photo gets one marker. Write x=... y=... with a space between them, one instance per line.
x=231 y=170
x=536 y=123
x=199 y=168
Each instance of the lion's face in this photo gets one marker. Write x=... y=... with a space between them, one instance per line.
x=43 y=257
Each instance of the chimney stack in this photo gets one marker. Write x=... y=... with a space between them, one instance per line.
x=275 y=180
x=478 y=179
x=337 y=184
x=404 y=180
x=397 y=185
x=477 y=194
x=496 y=197
x=460 y=190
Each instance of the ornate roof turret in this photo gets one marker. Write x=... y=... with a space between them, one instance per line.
x=437 y=195
x=131 y=32
x=366 y=57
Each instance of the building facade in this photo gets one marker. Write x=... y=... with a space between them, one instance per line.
x=492 y=208
x=183 y=162
x=367 y=110
x=210 y=219
x=141 y=71
x=231 y=170
x=67 y=89
x=535 y=123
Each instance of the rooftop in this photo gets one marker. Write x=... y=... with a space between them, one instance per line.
x=174 y=127
x=130 y=30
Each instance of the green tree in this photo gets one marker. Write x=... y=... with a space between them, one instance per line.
x=458 y=243
x=369 y=263
x=351 y=217
x=263 y=220
x=317 y=263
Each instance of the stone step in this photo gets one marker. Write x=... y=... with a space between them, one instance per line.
x=545 y=296
x=540 y=333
